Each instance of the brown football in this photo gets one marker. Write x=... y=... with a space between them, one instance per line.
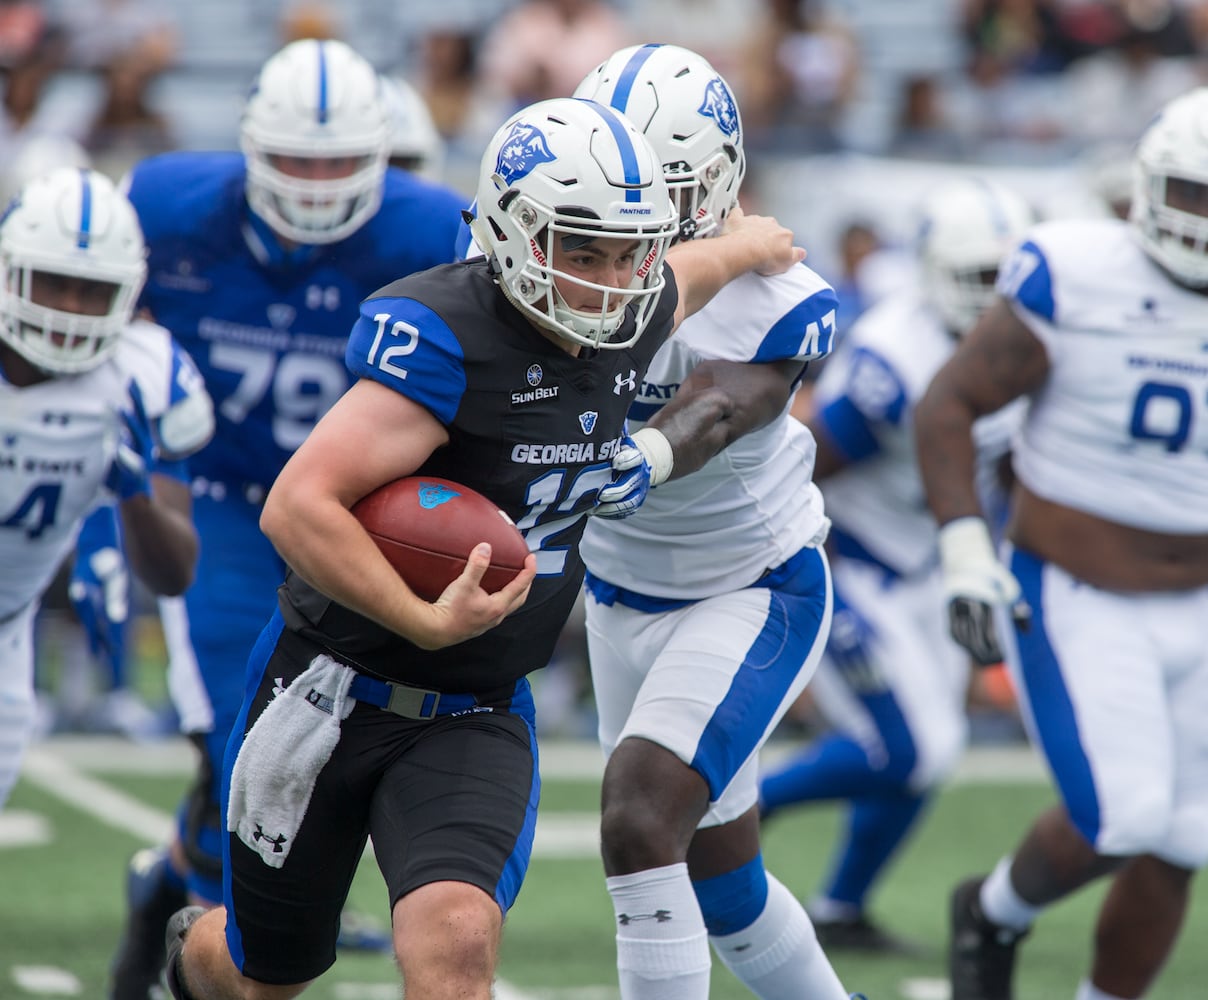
x=426 y=528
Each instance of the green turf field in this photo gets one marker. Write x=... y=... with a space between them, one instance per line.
x=61 y=868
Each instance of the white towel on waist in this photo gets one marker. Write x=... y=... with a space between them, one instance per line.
x=282 y=755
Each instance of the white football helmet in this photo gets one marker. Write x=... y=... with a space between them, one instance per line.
x=566 y=169
x=1172 y=158
x=689 y=114
x=315 y=99
x=415 y=145
x=71 y=222
x=967 y=228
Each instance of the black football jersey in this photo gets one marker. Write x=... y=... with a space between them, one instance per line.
x=530 y=427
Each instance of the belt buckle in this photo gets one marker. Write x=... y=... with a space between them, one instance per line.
x=412 y=703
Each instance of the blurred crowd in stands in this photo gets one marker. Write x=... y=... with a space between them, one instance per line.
x=970 y=80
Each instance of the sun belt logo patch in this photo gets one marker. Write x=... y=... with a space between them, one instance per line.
x=434 y=494
x=719 y=105
x=524 y=149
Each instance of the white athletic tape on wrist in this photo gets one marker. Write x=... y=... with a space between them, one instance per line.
x=654 y=445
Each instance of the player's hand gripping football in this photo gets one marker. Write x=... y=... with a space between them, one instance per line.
x=975 y=582
x=130 y=473
x=466 y=610
x=643 y=460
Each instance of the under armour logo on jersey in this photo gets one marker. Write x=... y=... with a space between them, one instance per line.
x=278 y=841
x=524 y=149
x=719 y=105
x=629 y=382
x=278 y=686
x=533 y=375
x=588 y=421
x=434 y=494
x=659 y=916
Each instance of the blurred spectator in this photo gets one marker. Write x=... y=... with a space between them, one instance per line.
x=31 y=49
x=797 y=74
x=543 y=48
x=1113 y=93
x=128 y=44
x=923 y=129
x=309 y=19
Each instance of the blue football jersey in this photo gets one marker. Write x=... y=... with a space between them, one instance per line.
x=267 y=326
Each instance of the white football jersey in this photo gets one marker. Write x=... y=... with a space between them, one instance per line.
x=58 y=438
x=1120 y=428
x=865 y=398
x=752 y=505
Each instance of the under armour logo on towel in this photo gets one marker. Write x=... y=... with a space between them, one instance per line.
x=276 y=841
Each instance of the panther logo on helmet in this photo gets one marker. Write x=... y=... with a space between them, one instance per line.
x=719 y=104
x=524 y=149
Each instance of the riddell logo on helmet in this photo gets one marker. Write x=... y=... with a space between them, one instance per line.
x=538 y=253
x=644 y=267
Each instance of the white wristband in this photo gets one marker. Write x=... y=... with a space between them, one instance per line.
x=656 y=448
x=966 y=541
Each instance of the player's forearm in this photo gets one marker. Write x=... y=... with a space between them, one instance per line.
x=943 y=425
x=323 y=543
x=718 y=403
x=161 y=544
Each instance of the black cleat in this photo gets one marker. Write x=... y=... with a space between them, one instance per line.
x=981 y=955
x=862 y=935
x=150 y=901
x=174 y=943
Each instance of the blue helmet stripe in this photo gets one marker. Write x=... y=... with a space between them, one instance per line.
x=322 y=84
x=629 y=158
x=624 y=87
x=85 y=211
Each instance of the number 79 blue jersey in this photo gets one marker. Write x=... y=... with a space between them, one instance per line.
x=1120 y=427
x=266 y=326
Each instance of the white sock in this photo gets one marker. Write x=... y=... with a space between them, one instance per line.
x=16 y=728
x=1086 y=991
x=778 y=956
x=1001 y=904
x=662 y=944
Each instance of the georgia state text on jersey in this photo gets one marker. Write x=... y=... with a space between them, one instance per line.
x=1119 y=429
x=752 y=505
x=266 y=326
x=865 y=400
x=450 y=341
x=58 y=438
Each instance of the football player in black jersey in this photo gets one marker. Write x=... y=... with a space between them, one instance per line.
x=436 y=757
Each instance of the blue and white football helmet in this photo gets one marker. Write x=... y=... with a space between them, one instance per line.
x=573 y=168
x=967 y=227
x=688 y=112
x=315 y=100
x=1172 y=159
x=71 y=222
